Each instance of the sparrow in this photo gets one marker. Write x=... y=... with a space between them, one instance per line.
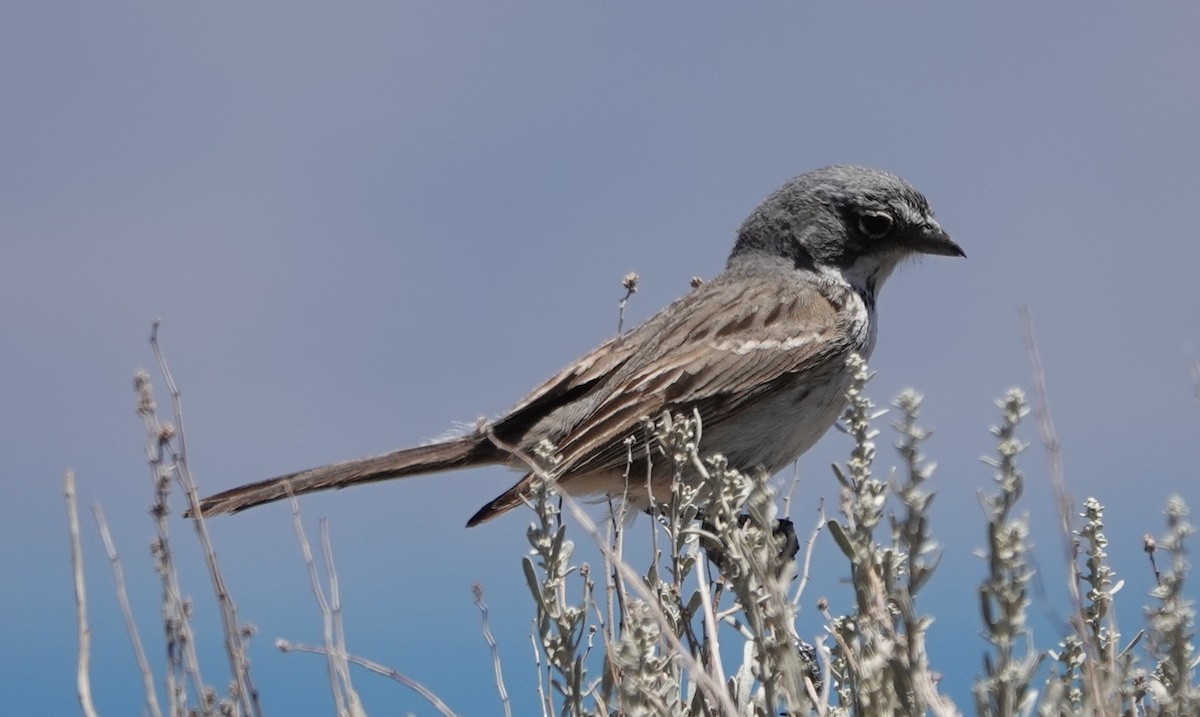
x=759 y=352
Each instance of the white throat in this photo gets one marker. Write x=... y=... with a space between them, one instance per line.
x=867 y=274
x=864 y=277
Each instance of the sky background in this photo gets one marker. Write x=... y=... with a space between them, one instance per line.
x=362 y=223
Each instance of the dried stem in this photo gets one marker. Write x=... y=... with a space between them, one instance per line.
x=345 y=698
x=182 y=663
x=491 y=641
x=130 y=626
x=1045 y=426
x=630 y=283
x=335 y=612
x=83 y=681
x=1065 y=505
x=787 y=499
x=285 y=646
x=235 y=633
x=1194 y=370
x=808 y=551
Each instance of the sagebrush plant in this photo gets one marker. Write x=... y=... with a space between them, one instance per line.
x=874 y=657
x=1006 y=687
x=1172 y=623
x=623 y=640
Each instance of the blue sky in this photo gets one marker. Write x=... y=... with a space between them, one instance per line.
x=363 y=223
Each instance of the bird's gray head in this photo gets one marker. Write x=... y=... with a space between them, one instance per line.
x=858 y=221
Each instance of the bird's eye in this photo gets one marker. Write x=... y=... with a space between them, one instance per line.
x=875 y=225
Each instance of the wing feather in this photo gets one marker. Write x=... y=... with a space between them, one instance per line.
x=749 y=345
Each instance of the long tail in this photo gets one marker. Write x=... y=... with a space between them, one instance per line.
x=510 y=499
x=465 y=452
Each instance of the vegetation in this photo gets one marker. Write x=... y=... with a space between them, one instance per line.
x=615 y=639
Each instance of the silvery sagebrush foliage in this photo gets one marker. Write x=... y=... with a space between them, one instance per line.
x=1092 y=675
x=561 y=625
x=1173 y=624
x=1005 y=690
x=720 y=556
x=875 y=658
x=642 y=675
x=879 y=660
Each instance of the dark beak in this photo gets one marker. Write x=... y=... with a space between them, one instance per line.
x=932 y=239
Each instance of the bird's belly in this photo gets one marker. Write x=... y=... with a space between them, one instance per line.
x=777 y=428
x=768 y=434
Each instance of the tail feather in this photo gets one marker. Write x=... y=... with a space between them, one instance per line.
x=510 y=499
x=465 y=452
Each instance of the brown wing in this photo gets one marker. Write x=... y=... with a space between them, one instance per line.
x=562 y=390
x=716 y=349
x=724 y=347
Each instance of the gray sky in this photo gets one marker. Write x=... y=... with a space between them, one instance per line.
x=362 y=224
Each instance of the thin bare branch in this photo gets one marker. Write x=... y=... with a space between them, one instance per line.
x=710 y=625
x=235 y=633
x=1049 y=438
x=285 y=646
x=1194 y=370
x=543 y=697
x=345 y=699
x=808 y=551
x=630 y=283
x=335 y=611
x=130 y=625
x=477 y=589
x=1066 y=513
x=83 y=681
x=787 y=500
x=183 y=665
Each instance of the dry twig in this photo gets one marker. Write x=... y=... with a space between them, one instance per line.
x=285 y=646
x=83 y=680
x=491 y=642
x=345 y=698
x=235 y=634
x=130 y=625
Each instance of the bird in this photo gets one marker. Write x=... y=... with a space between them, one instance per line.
x=759 y=353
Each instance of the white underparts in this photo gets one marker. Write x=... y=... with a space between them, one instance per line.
x=867 y=274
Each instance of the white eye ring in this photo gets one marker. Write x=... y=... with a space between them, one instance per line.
x=875 y=225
